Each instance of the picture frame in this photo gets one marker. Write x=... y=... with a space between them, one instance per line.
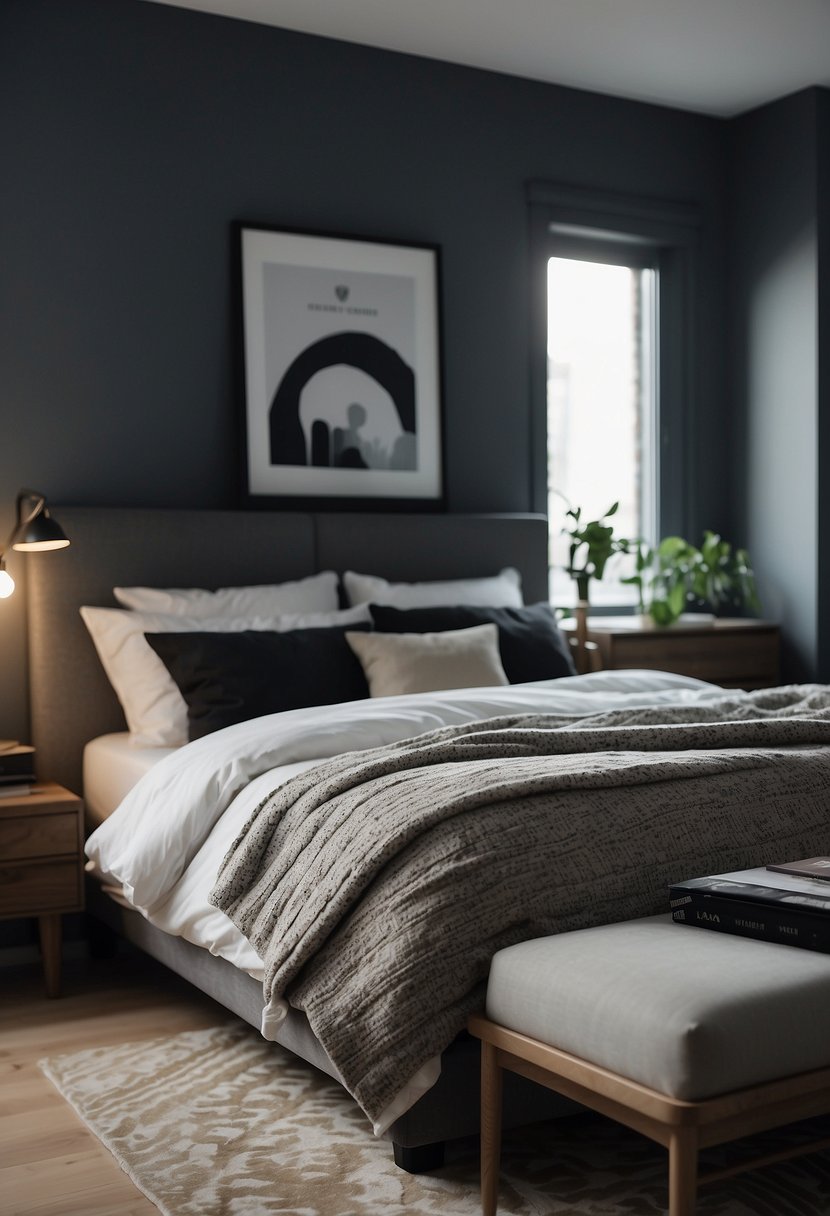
x=341 y=371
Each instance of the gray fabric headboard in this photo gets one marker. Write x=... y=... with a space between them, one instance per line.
x=71 y=698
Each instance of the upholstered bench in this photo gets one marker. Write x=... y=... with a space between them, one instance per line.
x=690 y=1036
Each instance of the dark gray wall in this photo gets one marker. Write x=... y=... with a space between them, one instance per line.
x=779 y=352
x=132 y=134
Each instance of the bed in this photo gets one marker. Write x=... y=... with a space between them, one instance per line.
x=73 y=705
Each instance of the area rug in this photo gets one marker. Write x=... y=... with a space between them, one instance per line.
x=220 y=1123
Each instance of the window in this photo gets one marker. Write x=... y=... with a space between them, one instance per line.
x=612 y=366
x=601 y=407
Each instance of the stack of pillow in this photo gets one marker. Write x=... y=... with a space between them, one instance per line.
x=184 y=663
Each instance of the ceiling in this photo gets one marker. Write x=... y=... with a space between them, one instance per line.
x=716 y=57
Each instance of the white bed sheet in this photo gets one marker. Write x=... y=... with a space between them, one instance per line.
x=164 y=843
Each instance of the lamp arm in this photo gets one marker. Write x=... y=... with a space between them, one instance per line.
x=24 y=519
x=32 y=496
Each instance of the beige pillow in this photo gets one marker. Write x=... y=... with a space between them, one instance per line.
x=396 y=663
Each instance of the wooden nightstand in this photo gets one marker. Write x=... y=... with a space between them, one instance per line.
x=733 y=652
x=41 y=870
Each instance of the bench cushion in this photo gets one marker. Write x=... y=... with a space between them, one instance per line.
x=690 y=1012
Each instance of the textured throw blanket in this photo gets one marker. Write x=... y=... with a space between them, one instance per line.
x=377 y=886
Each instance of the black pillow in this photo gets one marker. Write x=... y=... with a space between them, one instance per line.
x=531 y=646
x=231 y=677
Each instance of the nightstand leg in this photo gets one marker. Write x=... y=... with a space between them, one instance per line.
x=50 y=945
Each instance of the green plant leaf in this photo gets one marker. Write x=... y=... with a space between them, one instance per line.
x=677 y=600
x=660 y=612
x=671 y=547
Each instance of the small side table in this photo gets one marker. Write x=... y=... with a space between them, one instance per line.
x=734 y=652
x=41 y=865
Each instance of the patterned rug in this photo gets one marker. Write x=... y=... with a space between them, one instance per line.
x=220 y=1123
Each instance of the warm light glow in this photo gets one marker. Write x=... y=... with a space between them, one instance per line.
x=39 y=546
x=6 y=584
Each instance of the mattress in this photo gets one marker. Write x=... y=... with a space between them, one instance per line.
x=112 y=766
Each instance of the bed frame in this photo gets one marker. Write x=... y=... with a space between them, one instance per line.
x=72 y=701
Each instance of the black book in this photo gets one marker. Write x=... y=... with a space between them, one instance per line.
x=760 y=886
x=767 y=922
x=756 y=903
x=17 y=764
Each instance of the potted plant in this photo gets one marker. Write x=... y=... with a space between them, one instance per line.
x=671 y=578
x=676 y=577
x=591 y=545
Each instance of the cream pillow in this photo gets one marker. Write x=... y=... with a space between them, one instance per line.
x=317 y=593
x=155 y=710
x=502 y=590
x=396 y=663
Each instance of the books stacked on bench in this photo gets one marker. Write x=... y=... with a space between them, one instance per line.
x=17 y=768
x=787 y=902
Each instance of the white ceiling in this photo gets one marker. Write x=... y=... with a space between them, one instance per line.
x=714 y=56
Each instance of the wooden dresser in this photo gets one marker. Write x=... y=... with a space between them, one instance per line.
x=733 y=652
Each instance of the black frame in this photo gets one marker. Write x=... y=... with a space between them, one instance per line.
x=255 y=405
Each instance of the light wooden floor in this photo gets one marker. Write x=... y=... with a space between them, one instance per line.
x=50 y=1164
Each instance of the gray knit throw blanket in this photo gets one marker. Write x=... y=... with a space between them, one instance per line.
x=377 y=886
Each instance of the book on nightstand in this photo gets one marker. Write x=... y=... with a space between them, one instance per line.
x=17 y=790
x=17 y=768
x=780 y=907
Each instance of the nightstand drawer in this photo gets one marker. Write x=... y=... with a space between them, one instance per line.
x=38 y=836
x=741 y=660
x=35 y=888
x=735 y=653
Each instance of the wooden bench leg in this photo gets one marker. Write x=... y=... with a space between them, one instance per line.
x=491 y=1087
x=683 y=1172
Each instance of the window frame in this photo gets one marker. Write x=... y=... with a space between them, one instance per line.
x=597 y=225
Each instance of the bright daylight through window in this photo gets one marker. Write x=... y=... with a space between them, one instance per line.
x=601 y=410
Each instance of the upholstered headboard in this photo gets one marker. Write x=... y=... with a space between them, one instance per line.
x=72 y=700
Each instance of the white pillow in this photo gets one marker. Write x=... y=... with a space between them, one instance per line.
x=503 y=590
x=155 y=710
x=397 y=663
x=318 y=593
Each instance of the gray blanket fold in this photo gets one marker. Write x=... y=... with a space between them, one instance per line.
x=377 y=885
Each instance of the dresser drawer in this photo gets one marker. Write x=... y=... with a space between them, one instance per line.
x=38 y=887
x=38 y=836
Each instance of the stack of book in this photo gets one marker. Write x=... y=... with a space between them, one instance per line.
x=787 y=902
x=17 y=768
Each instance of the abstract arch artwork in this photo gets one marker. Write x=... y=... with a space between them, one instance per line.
x=287 y=438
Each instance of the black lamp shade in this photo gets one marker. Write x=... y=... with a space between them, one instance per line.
x=40 y=534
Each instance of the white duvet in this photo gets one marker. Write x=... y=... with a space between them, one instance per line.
x=164 y=843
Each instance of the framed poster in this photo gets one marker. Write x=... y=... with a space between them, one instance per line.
x=341 y=371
